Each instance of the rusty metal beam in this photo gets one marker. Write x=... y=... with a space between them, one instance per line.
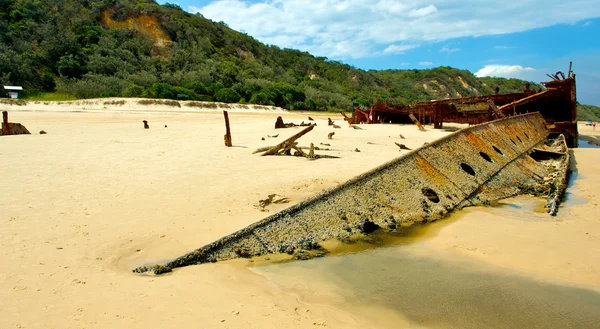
x=525 y=100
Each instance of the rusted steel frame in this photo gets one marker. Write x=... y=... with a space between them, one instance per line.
x=414 y=119
x=526 y=100
x=495 y=110
x=500 y=98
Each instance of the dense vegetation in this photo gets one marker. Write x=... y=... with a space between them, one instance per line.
x=588 y=112
x=100 y=48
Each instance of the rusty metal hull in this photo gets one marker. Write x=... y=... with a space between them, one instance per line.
x=473 y=166
x=557 y=104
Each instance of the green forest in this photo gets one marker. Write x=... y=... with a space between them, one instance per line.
x=588 y=112
x=138 y=48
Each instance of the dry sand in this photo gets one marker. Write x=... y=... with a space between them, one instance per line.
x=98 y=195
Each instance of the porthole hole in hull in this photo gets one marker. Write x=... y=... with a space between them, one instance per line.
x=485 y=157
x=498 y=150
x=430 y=194
x=468 y=169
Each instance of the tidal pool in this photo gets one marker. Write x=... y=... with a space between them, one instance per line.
x=400 y=282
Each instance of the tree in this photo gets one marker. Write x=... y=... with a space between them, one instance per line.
x=133 y=91
x=227 y=95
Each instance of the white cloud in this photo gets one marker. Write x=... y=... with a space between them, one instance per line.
x=425 y=63
x=424 y=11
x=449 y=50
x=505 y=71
x=358 y=28
x=504 y=47
x=398 y=49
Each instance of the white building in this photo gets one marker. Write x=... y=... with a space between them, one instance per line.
x=13 y=91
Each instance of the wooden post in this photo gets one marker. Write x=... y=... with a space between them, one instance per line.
x=227 y=130
x=5 y=125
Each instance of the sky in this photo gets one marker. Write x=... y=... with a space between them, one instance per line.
x=523 y=39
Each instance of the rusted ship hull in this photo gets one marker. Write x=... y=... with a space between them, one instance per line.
x=474 y=166
x=557 y=105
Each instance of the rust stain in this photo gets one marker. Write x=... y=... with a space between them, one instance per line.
x=476 y=141
x=431 y=172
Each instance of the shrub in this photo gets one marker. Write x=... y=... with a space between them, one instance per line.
x=227 y=95
x=263 y=98
x=92 y=86
x=159 y=102
x=133 y=91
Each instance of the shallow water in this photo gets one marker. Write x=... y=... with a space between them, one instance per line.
x=571 y=199
x=587 y=145
x=400 y=282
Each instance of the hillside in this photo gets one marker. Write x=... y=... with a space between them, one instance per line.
x=588 y=112
x=137 y=48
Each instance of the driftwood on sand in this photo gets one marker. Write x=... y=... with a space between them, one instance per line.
x=287 y=146
x=402 y=146
x=288 y=143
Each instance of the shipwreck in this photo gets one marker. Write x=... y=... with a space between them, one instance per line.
x=518 y=144
x=557 y=104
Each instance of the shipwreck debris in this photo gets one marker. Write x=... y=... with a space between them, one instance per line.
x=289 y=143
x=416 y=122
x=290 y=147
x=423 y=185
x=557 y=104
x=402 y=146
x=279 y=124
x=262 y=204
x=11 y=128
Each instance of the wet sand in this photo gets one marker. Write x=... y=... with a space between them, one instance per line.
x=98 y=195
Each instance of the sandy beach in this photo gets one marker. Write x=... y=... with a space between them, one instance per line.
x=98 y=195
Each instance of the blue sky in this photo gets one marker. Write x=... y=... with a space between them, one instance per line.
x=523 y=39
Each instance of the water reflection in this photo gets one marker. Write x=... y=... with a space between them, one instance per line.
x=587 y=145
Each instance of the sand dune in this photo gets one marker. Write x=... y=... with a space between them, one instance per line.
x=136 y=105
